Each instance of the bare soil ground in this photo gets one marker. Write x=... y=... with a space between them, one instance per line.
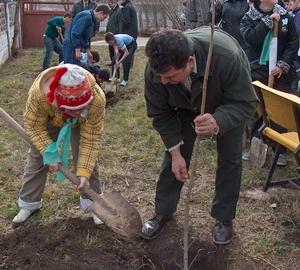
x=69 y=244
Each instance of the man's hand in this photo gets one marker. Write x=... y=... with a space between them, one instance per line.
x=277 y=71
x=84 y=182
x=53 y=166
x=90 y=56
x=179 y=165
x=78 y=54
x=275 y=16
x=205 y=124
x=117 y=65
x=58 y=29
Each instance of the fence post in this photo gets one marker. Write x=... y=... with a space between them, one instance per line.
x=7 y=28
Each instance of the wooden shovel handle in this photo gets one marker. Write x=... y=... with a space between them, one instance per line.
x=61 y=37
x=65 y=171
x=274 y=34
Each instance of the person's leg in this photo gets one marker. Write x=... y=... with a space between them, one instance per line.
x=95 y=177
x=228 y=174
x=227 y=184
x=111 y=52
x=34 y=180
x=127 y=62
x=48 y=51
x=58 y=49
x=168 y=188
x=69 y=55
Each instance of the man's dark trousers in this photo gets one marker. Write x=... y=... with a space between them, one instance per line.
x=228 y=174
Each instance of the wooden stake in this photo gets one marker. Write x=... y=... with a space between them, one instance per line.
x=196 y=146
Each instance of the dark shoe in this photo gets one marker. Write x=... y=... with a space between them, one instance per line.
x=282 y=161
x=153 y=226
x=222 y=232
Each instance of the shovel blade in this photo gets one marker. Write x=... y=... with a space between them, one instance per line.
x=118 y=214
x=258 y=152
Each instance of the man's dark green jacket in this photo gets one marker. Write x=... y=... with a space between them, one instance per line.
x=51 y=30
x=230 y=95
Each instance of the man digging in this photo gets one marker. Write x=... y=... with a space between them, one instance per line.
x=173 y=90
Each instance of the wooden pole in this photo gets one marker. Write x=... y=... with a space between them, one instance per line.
x=274 y=35
x=196 y=145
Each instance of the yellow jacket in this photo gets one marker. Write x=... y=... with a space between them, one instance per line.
x=39 y=114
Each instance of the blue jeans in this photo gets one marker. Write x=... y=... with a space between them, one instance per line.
x=69 y=54
x=51 y=44
x=127 y=62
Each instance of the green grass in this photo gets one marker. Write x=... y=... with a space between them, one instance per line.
x=130 y=159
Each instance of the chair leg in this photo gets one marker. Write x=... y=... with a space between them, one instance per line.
x=271 y=171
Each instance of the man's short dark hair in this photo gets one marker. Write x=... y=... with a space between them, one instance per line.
x=103 y=74
x=103 y=8
x=109 y=36
x=67 y=15
x=96 y=56
x=168 y=48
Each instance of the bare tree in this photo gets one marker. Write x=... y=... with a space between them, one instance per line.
x=169 y=8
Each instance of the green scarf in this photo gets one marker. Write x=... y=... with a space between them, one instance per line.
x=264 y=57
x=51 y=154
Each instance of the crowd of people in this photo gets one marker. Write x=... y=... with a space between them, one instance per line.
x=74 y=45
x=67 y=97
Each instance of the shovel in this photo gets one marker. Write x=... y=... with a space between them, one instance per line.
x=112 y=89
x=113 y=209
x=258 y=149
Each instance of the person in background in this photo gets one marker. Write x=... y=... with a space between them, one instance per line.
x=95 y=57
x=287 y=5
x=295 y=11
x=127 y=45
x=129 y=19
x=85 y=5
x=62 y=100
x=228 y=16
x=182 y=16
x=78 y=36
x=256 y=28
x=100 y=75
x=56 y=28
x=114 y=25
x=173 y=89
x=196 y=13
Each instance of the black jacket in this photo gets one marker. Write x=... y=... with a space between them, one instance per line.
x=78 y=7
x=229 y=15
x=129 y=20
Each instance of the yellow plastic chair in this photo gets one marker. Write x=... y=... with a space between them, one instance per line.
x=284 y=110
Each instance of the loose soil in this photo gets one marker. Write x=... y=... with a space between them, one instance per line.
x=74 y=244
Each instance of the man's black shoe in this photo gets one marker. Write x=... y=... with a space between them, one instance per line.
x=153 y=226
x=222 y=232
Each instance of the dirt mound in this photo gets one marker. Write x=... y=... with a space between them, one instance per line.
x=67 y=244
x=79 y=244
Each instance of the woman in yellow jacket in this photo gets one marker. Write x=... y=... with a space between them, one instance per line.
x=65 y=104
